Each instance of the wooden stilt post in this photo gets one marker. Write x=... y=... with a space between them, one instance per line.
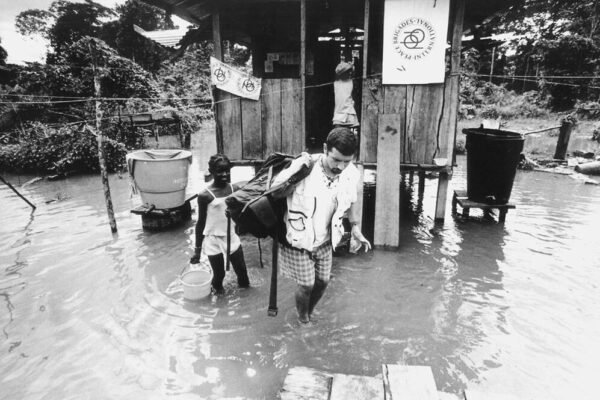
x=366 y=39
x=387 y=198
x=303 y=71
x=218 y=50
x=563 y=138
x=421 y=189
x=99 y=138
x=442 y=194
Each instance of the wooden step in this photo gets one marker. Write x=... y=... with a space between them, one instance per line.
x=344 y=387
x=303 y=383
x=477 y=395
x=403 y=382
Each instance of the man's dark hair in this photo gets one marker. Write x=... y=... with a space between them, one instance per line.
x=217 y=158
x=343 y=139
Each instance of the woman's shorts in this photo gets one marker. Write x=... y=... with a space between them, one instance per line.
x=214 y=245
x=303 y=266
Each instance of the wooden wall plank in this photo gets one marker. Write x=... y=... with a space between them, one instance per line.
x=450 y=115
x=387 y=198
x=306 y=383
x=346 y=387
x=423 y=114
x=394 y=99
x=291 y=133
x=229 y=115
x=252 y=140
x=410 y=382
x=372 y=103
x=271 y=115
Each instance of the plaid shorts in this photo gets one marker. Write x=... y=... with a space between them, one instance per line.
x=303 y=266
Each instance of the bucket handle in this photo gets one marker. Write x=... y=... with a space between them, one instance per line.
x=186 y=266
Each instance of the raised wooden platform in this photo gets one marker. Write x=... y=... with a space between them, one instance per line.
x=160 y=219
x=460 y=198
x=397 y=382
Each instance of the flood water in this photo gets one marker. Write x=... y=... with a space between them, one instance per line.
x=511 y=309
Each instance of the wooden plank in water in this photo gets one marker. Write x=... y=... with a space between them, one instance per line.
x=372 y=102
x=387 y=198
x=230 y=120
x=403 y=382
x=252 y=140
x=292 y=139
x=303 y=383
x=356 y=387
x=448 y=396
x=478 y=395
x=271 y=115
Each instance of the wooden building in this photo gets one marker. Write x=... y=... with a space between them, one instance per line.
x=295 y=47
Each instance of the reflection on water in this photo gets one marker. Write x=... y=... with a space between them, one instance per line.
x=507 y=308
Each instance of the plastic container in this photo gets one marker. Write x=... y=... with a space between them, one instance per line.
x=492 y=159
x=196 y=283
x=161 y=176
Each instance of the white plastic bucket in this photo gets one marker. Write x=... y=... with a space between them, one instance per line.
x=196 y=283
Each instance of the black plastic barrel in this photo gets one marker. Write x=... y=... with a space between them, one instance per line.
x=492 y=159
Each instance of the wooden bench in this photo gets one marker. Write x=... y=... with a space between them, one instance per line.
x=460 y=198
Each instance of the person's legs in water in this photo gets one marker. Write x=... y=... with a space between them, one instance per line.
x=239 y=266
x=316 y=294
x=303 y=294
x=323 y=259
x=218 y=266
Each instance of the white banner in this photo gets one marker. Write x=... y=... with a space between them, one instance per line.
x=234 y=81
x=414 y=41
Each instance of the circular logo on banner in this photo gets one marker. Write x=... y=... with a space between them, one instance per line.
x=221 y=75
x=414 y=38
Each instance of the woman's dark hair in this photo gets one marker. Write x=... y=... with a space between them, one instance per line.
x=217 y=158
x=343 y=139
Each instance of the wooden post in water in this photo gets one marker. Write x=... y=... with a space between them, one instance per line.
x=218 y=51
x=99 y=137
x=566 y=127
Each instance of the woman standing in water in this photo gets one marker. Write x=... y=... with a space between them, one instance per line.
x=211 y=228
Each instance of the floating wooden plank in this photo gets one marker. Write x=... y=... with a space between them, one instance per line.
x=292 y=140
x=229 y=118
x=403 y=382
x=448 y=396
x=303 y=383
x=478 y=395
x=252 y=141
x=423 y=114
x=372 y=102
x=271 y=115
x=387 y=199
x=356 y=387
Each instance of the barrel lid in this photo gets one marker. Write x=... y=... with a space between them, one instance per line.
x=494 y=133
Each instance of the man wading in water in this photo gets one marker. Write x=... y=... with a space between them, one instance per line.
x=314 y=218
